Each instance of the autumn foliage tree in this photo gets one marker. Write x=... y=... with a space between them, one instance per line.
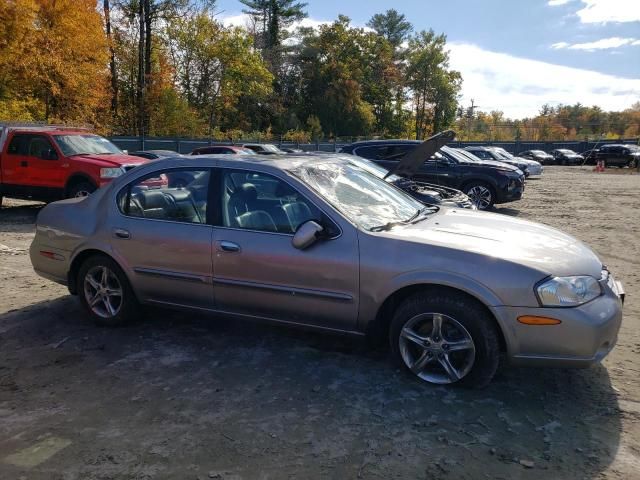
x=53 y=62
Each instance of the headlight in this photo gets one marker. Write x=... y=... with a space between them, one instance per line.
x=568 y=291
x=111 y=172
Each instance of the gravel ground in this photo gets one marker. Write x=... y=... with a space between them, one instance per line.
x=179 y=395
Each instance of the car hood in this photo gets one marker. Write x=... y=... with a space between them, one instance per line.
x=112 y=160
x=536 y=246
x=410 y=163
x=494 y=164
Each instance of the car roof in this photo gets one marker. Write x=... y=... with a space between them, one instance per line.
x=158 y=152
x=366 y=143
x=277 y=162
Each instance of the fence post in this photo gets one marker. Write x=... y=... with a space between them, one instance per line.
x=178 y=145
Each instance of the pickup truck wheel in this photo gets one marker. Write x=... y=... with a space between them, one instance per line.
x=105 y=292
x=481 y=195
x=445 y=338
x=82 y=189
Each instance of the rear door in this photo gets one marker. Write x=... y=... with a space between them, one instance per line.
x=162 y=234
x=15 y=160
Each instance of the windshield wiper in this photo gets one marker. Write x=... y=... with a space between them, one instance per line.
x=412 y=219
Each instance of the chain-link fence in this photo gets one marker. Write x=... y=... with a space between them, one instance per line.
x=187 y=145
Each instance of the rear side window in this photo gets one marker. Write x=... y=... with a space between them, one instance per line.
x=177 y=195
x=18 y=145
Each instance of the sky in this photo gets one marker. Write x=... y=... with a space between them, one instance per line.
x=516 y=55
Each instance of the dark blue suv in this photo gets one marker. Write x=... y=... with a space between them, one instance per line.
x=485 y=182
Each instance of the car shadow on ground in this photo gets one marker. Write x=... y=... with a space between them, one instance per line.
x=276 y=396
x=512 y=212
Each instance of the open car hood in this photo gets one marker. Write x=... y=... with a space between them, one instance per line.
x=412 y=161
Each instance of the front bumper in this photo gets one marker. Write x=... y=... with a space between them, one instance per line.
x=512 y=191
x=585 y=336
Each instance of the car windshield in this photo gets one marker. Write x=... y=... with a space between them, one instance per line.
x=567 y=152
x=271 y=148
x=78 y=144
x=633 y=148
x=466 y=156
x=502 y=153
x=361 y=196
x=538 y=152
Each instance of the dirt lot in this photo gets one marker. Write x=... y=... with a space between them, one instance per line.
x=185 y=396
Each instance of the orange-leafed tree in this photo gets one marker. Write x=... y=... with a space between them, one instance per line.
x=55 y=58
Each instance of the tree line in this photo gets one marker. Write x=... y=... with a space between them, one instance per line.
x=172 y=68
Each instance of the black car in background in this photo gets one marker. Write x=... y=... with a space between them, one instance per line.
x=221 y=150
x=619 y=155
x=485 y=182
x=538 y=155
x=564 y=156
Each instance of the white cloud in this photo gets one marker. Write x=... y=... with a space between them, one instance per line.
x=555 y=3
x=520 y=86
x=602 y=44
x=605 y=11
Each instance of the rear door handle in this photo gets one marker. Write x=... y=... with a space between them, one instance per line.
x=229 y=246
x=24 y=163
x=121 y=233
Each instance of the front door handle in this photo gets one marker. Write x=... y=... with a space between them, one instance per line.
x=24 y=163
x=229 y=246
x=121 y=233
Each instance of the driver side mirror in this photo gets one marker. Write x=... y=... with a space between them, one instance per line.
x=307 y=234
x=49 y=154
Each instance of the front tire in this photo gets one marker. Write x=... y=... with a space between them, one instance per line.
x=105 y=292
x=481 y=194
x=445 y=338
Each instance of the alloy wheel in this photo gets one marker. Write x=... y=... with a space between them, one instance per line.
x=437 y=348
x=480 y=196
x=103 y=291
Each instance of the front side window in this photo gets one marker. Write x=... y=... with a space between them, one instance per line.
x=79 y=144
x=38 y=146
x=177 y=195
x=362 y=197
x=258 y=201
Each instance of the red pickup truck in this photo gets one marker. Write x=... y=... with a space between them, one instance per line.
x=45 y=162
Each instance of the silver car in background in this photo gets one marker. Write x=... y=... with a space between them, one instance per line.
x=323 y=244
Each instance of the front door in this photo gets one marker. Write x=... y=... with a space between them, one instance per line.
x=44 y=166
x=162 y=235
x=258 y=272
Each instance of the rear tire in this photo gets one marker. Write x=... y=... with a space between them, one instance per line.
x=81 y=189
x=467 y=339
x=105 y=292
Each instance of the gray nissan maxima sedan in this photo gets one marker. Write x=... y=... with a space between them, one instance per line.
x=322 y=243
